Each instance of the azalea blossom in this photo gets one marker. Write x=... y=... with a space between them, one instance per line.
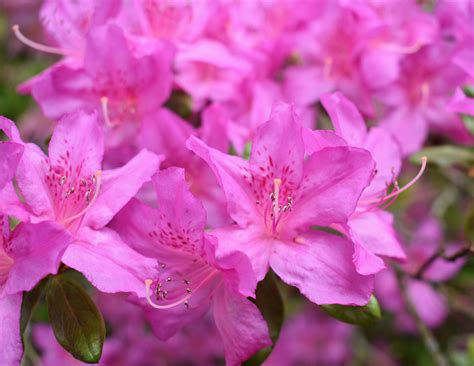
x=191 y=275
x=27 y=255
x=69 y=188
x=277 y=196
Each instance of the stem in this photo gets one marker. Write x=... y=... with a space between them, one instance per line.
x=440 y=254
x=427 y=336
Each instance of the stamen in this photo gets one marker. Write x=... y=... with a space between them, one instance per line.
x=40 y=47
x=327 y=66
x=104 y=101
x=184 y=300
x=275 y=199
x=98 y=176
x=397 y=191
x=425 y=93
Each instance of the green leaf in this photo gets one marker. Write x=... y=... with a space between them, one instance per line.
x=359 y=315
x=77 y=323
x=446 y=155
x=30 y=299
x=270 y=303
x=247 y=150
x=468 y=122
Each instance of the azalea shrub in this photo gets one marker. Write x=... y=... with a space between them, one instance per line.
x=220 y=182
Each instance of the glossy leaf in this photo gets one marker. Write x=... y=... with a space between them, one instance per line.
x=30 y=299
x=270 y=303
x=446 y=155
x=77 y=323
x=359 y=315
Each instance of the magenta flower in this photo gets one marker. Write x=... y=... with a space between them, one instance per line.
x=431 y=306
x=165 y=133
x=29 y=253
x=68 y=187
x=277 y=196
x=369 y=226
x=191 y=275
x=102 y=80
x=326 y=341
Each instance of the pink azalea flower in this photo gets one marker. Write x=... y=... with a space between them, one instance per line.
x=326 y=341
x=68 y=187
x=430 y=305
x=278 y=195
x=165 y=133
x=192 y=276
x=126 y=79
x=370 y=227
x=428 y=80
x=29 y=253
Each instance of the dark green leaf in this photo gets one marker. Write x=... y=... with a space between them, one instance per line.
x=77 y=323
x=359 y=315
x=30 y=299
x=270 y=303
x=446 y=155
x=327 y=229
x=468 y=122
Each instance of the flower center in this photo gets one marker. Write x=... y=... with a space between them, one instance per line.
x=73 y=196
x=274 y=209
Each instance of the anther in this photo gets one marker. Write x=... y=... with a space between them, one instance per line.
x=98 y=175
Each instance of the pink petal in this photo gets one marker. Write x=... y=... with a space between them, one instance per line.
x=346 y=119
x=460 y=103
x=36 y=250
x=319 y=139
x=320 y=266
x=119 y=186
x=229 y=170
x=10 y=153
x=11 y=205
x=387 y=154
x=366 y=262
x=278 y=150
x=10 y=339
x=333 y=182
x=77 y=143
x=374 y=230
x=242 y=327
x=430 y=305
x=250 y=241
x=108 y=263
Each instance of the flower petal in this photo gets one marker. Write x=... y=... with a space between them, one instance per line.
x=10 y=337
x=77 y=144
x=242 y=327
x=36 y=250
x=108 y=263
x=346 y=119
x=230 y=171
x=320 y=266
x=332 y=184
x=119 y=186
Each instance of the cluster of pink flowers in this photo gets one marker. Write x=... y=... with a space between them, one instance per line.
x=148 y=187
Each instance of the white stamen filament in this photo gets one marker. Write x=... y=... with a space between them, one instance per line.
x=396 y=192
x=98 y=176
x=104 y=101
x=183 y=300
x=41 y=47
